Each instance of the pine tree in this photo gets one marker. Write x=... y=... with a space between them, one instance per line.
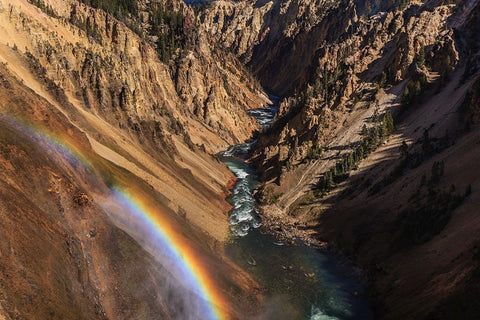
x=364 y=130
x=404 y=149
x=329 y=179
x=406 y=95
x=426 y=146
x=383 y=79
x=388 y=123
x=421 y=58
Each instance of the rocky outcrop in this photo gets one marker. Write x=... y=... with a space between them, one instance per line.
x=117 y=115
x=110 y=67
x=378 y=49
x=334 y=166
x=296 y=36
x=138 y=112
x=272 y=37
x=216 y=91
x=64 y=255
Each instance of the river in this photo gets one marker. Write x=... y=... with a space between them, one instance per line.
x=299 y=282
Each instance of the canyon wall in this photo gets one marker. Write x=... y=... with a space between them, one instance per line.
x=373 y=148
x=87 y=107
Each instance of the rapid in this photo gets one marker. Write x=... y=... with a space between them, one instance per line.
x=299 y=282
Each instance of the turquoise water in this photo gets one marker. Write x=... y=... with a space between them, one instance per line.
x=299 y=282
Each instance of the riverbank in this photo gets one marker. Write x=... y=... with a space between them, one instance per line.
x=288 y=229
x=299 y=278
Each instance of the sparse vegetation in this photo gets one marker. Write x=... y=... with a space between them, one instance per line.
x=372 y=138
x=427 y=218
x=412 y=160
x=414 y=90
x=270 y=196
x=429 y=211
x=315 y=152
x=41 y=73
x=44 y=7
x=168 y=29
x=172 y=29
x=88 y=25
x=117 y=8
x=420 y=59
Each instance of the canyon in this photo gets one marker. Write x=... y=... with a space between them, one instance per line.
x=114 y=112
x=109 y=101
x=373 y=153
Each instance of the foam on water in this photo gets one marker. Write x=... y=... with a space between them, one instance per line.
x=264 y=116
x=317 y=314
x=244 y=215
x=298 y=273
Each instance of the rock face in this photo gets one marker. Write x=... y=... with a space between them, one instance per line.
x=99 y=91
x=111 y=84
x=113 y=69
x=272 y=37
x=340 y=169
x=63 y=257
x=349 y=70
x=286 y=43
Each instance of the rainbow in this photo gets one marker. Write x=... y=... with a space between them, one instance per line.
x=173 y=249
x=52 y=142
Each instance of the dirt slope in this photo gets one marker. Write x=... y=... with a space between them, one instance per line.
x=143 y=124
x=126 y=115
x=63 y=255
x=397 y=195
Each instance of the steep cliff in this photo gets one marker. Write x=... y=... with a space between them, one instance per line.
x=89 y=105
x=66 y=252
x=359 y=77
x=374 y=151
x=114 y=87
x=277 y=40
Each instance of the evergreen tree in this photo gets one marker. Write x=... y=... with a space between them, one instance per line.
x=404 y=149
x=406 y=95
x=426 y=146
x=387 y=123
x=421 y=58
x=364 y=131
